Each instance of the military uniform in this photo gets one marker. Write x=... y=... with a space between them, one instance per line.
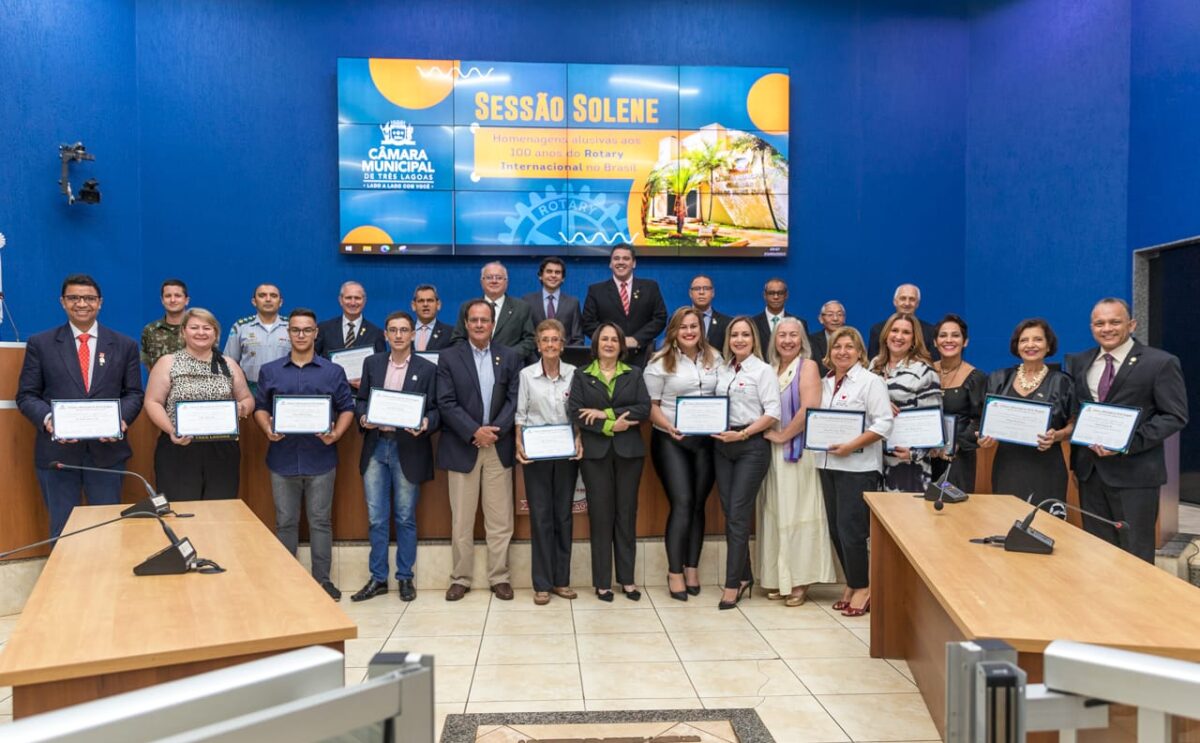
x=252 y=344
x=159 y=338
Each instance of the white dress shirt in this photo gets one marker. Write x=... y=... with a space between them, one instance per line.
x=690 y=379
x=753 y=391
x=860 y=390
x=1096 y=370
x=499 y=305
x=542 y=400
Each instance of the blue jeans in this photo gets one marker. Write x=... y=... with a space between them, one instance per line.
x=61 y=490
x=389 y=494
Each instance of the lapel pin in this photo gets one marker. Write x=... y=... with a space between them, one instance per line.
x=414 y=378
x=1132 y=359
x=100 y=359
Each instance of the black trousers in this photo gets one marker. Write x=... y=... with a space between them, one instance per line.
x=550 y=489
x=686 y=471
x=849 y=520
x=202 y=470
x=740 y=469
x=612 y=498
x=1137 y=507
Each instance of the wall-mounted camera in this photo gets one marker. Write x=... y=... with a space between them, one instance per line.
x=73 y=153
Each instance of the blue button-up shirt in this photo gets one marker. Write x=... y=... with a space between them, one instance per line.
x=487 y=379
x=302 y=454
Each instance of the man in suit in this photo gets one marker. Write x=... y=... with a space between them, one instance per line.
x=1122 y=371
x=775 y=294
x=477 y=399
x=431 y=334
x=906 y=299
x=514 y=321
x=702 y=294
x=395 y=462
x=551 y=301
x=833 y=316
x=634 y=305
x=351 y=330
x=78 y=361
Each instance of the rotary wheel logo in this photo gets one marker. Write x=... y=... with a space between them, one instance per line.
x=569 y=217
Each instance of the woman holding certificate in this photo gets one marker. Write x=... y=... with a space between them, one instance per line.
x=549 y=476
x=912 y=382
x=852 y=466
x=963 y=388
x=1033 y=470
x=608 y=400
x=196 y=397
x=741 y=455
x=685 y=367
x=793 y=535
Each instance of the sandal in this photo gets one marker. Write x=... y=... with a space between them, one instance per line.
x=541 y=598
x=775 y=596
x=840 y=605
x=794 y=600
x=853 y=612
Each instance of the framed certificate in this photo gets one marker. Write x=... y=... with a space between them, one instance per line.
x=430 y=356
x=701 y=416
x=351 y=360
x=824 y=428
x=1110 y=426
x=950 y=425
x=206 y=418
x=302 y=414
x=548 y=442
x=76 y=420
x=395 y=408
x=918 y=428
x=1013 y=420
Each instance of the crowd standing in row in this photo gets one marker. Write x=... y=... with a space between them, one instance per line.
x=500 y=368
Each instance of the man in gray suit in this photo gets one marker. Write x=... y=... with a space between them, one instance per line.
x=551 y=301
x=514 y=322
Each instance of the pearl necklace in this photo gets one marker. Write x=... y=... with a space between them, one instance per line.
x=1029 y=385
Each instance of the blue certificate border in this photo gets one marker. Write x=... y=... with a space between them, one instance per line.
x=987 y=400
x=700 y=397
x=549 y=425
x=371 y=395
x=221 y=435
x=951 y=447
x=275 y=406
x=120 y=433
x=862 y=415
x=941 y=415
x=1128 y=440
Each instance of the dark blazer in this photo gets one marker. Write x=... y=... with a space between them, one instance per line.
x=716 y=330
x=819 y=347
x=567 y=312
x=415 y=452
x=926 y=334
x=441 y=337
x=330 y=337
x=1150 y=379
x=764 y=327
x=629 y=394
x=51 y=372
x=646 y=319
x=514 y=327
x=461 y=408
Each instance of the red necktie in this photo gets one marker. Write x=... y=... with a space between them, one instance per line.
x=85 y=359
x=625 y=296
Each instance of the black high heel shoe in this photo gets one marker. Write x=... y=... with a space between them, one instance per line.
x=634 y=595
x=608 y=596
x=743 y=591
x=677 y=595
x=693 y=590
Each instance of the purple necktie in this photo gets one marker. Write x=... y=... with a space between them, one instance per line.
x=1106 y=379
x=550 y=307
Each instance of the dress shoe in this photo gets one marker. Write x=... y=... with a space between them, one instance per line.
x=408 y=591
x=456 y=591
x=503 y=591
x=744 y=590
x=564 y=592
x=633 y=594
x=693 y=590
x=332 y=590
x=606 y=595
x=372 y=589
x=541 y=598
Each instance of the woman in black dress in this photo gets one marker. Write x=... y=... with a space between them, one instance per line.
x=1033 y=473
x=962 y=396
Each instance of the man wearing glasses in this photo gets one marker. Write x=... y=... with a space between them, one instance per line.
x=80 y=360
x=833 y=316
x=715 y=323
x=260 y=338
x=514 y=323
x=303 y=465
x=775 y=294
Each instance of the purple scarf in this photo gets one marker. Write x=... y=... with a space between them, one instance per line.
x=790 y=402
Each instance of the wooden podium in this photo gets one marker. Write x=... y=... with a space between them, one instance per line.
x=92 y=628
x=931 y=585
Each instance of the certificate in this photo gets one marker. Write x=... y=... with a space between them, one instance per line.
x=548 y=442
x=351 y=360
x=302 y=414
x=1110 y=426
x=206 y=418
x=701 y=416
x=950 y=424
x=395 y=408
x=1014 y=421
x=85 y=419
x=918 y=428
x=824 y=429
x=430 y=356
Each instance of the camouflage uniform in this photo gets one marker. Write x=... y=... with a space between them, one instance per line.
x=159 y=338
x=252 y=344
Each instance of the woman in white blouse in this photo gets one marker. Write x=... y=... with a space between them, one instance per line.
x=741 y=455
x=851 y=468
x=685 y=367
x=549 y=483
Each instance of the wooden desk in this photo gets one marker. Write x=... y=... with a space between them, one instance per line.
x=92 y=628
x=930 y=586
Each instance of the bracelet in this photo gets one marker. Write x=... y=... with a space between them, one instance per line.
x=745 y=434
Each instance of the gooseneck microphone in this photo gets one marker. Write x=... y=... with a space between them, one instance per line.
x=153 y=503
x=1118 y=525
x=1022 y=537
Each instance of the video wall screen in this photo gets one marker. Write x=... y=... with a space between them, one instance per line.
x=467 y=157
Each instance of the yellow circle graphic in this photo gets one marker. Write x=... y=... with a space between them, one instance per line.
x=414 y=83
x=367 y=235
x=767 y=103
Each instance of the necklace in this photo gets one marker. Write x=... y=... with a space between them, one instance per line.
x=948 y=375
x=1027 y=384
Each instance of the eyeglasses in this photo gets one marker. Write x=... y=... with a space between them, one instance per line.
x=302 y=331
x=776 y=292
x=80 y=298
x=494 y=277
x=702 y=288
x=399 y=331
x=832 y=313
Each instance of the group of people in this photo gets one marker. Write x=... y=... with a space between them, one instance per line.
x=500 y=369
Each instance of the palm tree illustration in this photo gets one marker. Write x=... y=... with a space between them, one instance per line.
x=761 y=151
x=656 y=183
x=708 y=161
x=682 y=178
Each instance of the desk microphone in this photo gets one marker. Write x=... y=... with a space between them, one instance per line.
x=154 y=503
x=1024 y=538
x=942 y=492
x=1118 y=525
